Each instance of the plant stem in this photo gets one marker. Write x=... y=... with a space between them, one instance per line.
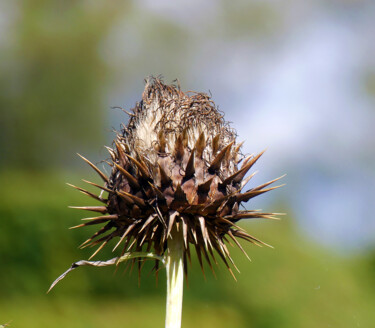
x=175 y=278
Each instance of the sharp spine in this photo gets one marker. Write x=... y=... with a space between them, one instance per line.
x=101 y=174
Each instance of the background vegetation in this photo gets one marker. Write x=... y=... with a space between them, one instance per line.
x=63 y=65
x=296 y=284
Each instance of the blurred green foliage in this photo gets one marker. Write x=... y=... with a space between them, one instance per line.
x=295 y=285
x=52 y=79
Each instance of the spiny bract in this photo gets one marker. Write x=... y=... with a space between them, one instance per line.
x=176 y=163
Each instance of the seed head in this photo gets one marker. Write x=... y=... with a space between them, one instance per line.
x=176 y=164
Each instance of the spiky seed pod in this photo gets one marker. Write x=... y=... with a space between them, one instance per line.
x=176 y=163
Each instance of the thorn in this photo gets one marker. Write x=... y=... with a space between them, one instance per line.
x=215 y=144
x=160 y=216
x=132 y=180
x=253 y=193
x=185 y=137
x=135 y=199
x=194 y=234
x=203 y=229
x=99 y=248
x=237 y=149
x=165 y=179
x=238 y=244
x=239 y=175
x=111 y=152
x=247 y=165
x=88 y=193
x=246 y=180
x=221 y=253
x=178 y=148
x=252 y=239
x=162 y=141
x=141 y=168
x=172 y=217
x=98 y=186
x=107 y=217
x=268 y=183
x=120 y=152
x=185 y=231
x=216 y=163
x=102 y=175
x=190 y=169
x=99 y=209
x=148 y=221
x=157 y=191
x=124 y=235
x=198 y=251
x=204 y=187
x=223 y=219
x=256 y=215
x=200 y=145
x=102 y=230
x=179 y=194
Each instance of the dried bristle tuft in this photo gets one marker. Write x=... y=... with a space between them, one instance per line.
x=176 y=162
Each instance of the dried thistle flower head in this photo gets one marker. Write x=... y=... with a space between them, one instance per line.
x=177 y=164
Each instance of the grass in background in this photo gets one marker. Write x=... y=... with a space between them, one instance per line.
x=295 y=285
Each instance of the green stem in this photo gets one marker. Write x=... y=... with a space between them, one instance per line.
x=175 y=278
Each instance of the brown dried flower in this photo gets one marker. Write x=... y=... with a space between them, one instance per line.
x=176 y=164
x=177 y=179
